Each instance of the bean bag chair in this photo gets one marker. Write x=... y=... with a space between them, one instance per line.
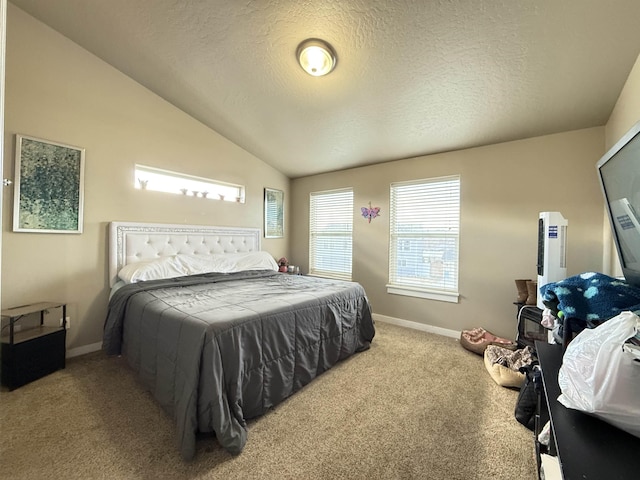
x=477 y=340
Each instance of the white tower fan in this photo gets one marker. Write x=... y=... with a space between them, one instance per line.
x=552 y=250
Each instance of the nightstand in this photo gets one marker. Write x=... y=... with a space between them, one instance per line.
x=31 y=352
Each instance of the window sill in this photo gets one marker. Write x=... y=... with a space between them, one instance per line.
x=329 y=276
x=422 y=293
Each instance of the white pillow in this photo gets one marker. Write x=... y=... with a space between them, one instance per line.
x=226 y=262
x=186 y=264
x=163 y=267
x=255 y=261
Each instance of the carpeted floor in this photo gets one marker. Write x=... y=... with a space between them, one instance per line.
x=414 y=406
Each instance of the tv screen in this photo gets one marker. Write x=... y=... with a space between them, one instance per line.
x=619 y=173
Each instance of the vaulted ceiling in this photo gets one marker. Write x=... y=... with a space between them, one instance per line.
x=413 y=77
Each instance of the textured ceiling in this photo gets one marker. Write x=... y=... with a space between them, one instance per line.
x=414 y=77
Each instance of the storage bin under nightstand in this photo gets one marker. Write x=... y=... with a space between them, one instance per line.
x=32 y=352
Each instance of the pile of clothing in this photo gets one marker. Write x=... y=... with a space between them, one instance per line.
x=502 y=359
x=505 y=366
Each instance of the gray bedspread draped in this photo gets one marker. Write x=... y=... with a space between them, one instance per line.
x=218 y=349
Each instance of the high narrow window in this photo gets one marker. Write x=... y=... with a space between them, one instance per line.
x=149 y=178
x=424 y=238
x=331 y=233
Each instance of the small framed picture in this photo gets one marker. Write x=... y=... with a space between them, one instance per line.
x=48 y=195
x=273 y=213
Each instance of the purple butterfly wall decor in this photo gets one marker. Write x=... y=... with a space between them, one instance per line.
x=371 y=212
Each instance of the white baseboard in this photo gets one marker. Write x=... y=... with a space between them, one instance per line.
x=76 y=352
x=417 y=326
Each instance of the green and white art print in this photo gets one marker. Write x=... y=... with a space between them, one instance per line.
x=49 y=192
x=273 y=213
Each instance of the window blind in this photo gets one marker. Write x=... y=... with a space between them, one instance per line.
x=424 y=235
x=331 y=233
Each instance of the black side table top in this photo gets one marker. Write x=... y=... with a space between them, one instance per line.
x=588 y=448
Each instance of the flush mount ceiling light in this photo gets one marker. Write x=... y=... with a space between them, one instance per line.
x=316 y=57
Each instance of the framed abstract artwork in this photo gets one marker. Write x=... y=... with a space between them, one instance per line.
x=49 y=186
x=273 y=213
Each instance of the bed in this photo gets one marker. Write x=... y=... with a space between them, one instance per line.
x=215 y=333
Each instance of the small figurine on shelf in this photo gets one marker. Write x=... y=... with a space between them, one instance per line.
x=283 y=263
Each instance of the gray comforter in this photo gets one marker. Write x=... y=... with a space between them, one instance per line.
x=218 y=349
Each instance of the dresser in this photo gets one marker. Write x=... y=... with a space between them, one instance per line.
x=587 y=447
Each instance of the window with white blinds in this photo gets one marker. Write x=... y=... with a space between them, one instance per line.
x=424 y=237
x=331 y=233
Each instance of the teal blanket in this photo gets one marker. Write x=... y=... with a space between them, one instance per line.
x=590 y=298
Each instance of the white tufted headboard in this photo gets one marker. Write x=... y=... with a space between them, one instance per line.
x=131 y=242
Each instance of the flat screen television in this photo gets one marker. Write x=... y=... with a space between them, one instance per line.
x=619 y=173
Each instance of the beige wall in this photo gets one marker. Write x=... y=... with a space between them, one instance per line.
x=626 y=113
x=56 y=90
x=503 y=188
